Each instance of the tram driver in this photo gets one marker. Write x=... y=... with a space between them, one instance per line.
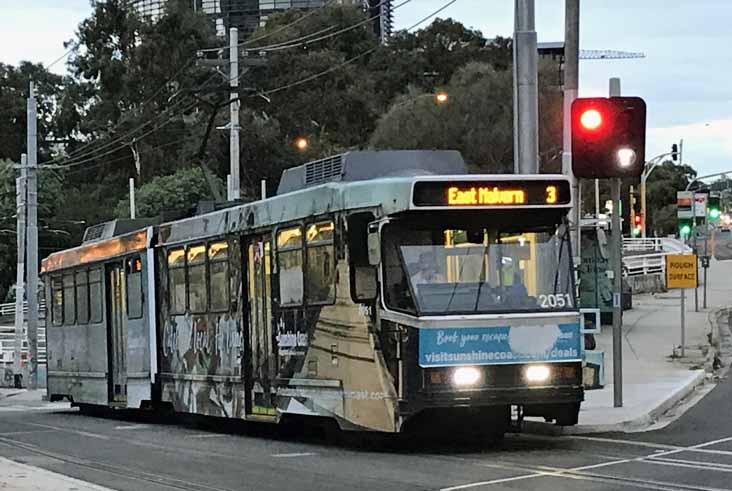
x=427 y=271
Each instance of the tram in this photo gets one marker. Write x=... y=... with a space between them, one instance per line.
x=375 y=288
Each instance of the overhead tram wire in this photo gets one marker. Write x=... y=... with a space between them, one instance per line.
x=53 y=63
x=83 y=148
x=119 y=159
x=354 y=58
x=122 y=147
x=67 y=161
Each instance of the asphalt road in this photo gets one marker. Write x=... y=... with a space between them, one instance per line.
x=133 y=453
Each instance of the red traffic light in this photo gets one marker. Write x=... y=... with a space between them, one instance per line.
x=637 y=219
x=608 y=137
x=591 y=119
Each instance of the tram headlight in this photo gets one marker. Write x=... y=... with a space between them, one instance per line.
x=465 y=376
x=537 y=373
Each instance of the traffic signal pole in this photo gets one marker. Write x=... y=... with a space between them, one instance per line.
x=571 y=82
x=617 y=256
x=525 y=95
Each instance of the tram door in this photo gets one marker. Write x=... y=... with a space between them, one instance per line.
x=261 y=369
x=116 y=334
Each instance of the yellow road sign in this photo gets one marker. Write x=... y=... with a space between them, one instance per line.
x=681 y=271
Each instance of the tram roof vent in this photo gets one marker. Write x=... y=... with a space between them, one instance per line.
x=113 y=228
x=365 y=165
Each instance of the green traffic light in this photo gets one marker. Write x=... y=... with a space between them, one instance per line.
x=685 y=230
x=714 y=213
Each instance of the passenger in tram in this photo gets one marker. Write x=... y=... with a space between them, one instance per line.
x=427 y=270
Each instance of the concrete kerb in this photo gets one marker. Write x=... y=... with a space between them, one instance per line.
x=720 y=349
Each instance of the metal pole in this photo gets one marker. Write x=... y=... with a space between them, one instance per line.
x=643 y=203
x=132 y=198
x=617 y=248
x=526 y=96
x=263 y=185
x=683 y=322
x=706 y=261
x=21 y=197
x=571 y=82
x=617 y=297
x=32 y=239
x=235 y=192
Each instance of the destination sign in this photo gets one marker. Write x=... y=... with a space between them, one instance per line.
x=491 y=193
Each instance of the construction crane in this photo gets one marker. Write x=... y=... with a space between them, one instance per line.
x=555 y=50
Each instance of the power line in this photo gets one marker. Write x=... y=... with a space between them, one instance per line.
x=269 y=34
x=75 y=154
x=355 y=58
x=305 y=41
x=60 y=58
x=139 y=137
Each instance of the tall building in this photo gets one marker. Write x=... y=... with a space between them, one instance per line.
x=247 y=15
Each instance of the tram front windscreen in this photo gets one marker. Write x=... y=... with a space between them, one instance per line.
x=432 y=270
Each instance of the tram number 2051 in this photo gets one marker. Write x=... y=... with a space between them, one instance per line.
x=555 y=300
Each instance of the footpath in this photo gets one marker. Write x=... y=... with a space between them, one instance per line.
x=659 y=384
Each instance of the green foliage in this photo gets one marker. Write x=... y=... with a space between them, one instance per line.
x=179 y=191
x=14 y=84
x=477 y=120
x=661 y=188
x=51 y=231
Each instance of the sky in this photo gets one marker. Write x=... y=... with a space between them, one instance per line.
x=684 y=77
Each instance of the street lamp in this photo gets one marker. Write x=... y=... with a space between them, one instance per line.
x=441 y=97
x=301 y=143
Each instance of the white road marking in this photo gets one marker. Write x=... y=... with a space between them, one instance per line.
x=131 y=427
x=288 y=455
x=575 y=472
x=67 y=430
x=208 y=435
x=27 y=432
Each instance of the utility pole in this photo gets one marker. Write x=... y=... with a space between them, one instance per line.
x=133 y=213
x=21 y=196
x=525 y=94
x=235 y=190
x=617 y=256
x=32 y=238
x=571 y=83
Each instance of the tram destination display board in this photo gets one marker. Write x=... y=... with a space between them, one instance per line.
x=498 y=193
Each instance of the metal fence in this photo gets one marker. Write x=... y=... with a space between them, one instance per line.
x=643 y=256
x=7 y=334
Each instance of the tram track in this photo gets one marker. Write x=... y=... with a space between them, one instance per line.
x=117 y=470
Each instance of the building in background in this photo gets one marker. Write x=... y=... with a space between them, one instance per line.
x=247 y=15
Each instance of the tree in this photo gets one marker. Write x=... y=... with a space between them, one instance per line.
x=477 y=120
x=53 y=234
x=661 y=188
x=179 y=191
x=14 y=85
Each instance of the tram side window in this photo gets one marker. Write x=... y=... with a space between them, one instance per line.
x=57 y=299
x=134 y=288
x=69 y=297
x=320 y=271
x=95 y=296
x=176 y=281
x=289 y=262
x=196 y=270
x=218 y=257
x=82 y=297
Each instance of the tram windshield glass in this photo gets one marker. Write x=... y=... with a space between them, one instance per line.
x=462 y=271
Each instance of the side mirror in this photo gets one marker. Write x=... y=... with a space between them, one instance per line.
x=373 y=243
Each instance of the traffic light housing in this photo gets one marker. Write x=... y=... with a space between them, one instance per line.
x=685 y=225
x=713 y=207
x=608 y=137
x=637 y=224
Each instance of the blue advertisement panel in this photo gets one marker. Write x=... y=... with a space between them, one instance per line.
x=497 y=345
